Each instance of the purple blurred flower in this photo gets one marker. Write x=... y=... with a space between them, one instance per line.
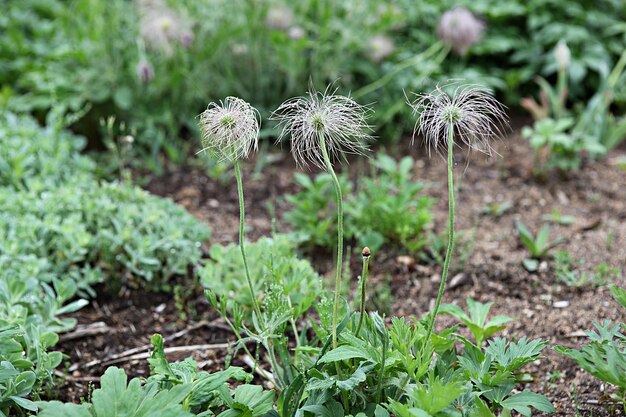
x=145 y=71
x=460 y=29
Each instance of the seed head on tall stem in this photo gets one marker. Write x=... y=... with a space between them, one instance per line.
x=468 y=114
x=323 y=127
x=230 y=131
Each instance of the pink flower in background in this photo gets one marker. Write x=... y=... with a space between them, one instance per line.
x=460 y=29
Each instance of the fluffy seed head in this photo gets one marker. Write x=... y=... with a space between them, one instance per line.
x=296 y=33
x=562 y=55
x=230 y=129
x=160 y=27
x=279 y=18
x=475 y=116
x=379 y=47
x=460 y=29
x=338 y=120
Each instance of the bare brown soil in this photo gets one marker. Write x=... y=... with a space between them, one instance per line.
x=543 y=307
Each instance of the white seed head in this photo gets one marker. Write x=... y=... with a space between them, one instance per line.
x=475 y=116
x=562 y=55
x=460 y=29
x=279 y=18
x=337 y=120
x=296 y=33
x=160 y=27
x=379 y=47
x=230 y=129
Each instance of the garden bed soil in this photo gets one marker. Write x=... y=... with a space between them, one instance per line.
x=544 y=308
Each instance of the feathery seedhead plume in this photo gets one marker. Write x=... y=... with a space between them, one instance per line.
x=562 y=55
x=460 y=29
x=279 y=17
x=379 y=47
x=474 y=114
x=296 y=33
x=239 y=49
x=145 y=71
x=338 y=120
x=230 y=129
x=160 y=27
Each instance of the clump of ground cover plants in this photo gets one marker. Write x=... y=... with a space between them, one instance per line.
x=62 y=233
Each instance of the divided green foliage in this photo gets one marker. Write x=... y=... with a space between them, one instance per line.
x=394 y=370
x=388 y=208
x=209 y=393
x=117 y=396
x=476 y=321
x=605 y=355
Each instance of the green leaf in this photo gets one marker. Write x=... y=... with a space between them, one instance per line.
x=59 y=409
x=345 y=352
x=522 y=402
x=619 y=294
x=481 y=409
x=530 y=265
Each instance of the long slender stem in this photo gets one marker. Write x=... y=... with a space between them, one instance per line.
x=446 y=263
x=331 y=171
x=366 y=259
x=242 y=215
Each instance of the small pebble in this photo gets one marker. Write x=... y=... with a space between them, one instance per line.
x=560 y=304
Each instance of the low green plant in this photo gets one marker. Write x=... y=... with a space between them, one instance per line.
x=119 y=396
x=209 y=393
x=497 y=209
x=111 y=228
x=309 y=215
x=30 y=319
x=604 y=356
x=476 y=319
x=273 y=263
x=553 y=137
x=569 y=272
x=32 y=157
x=561 y=137
x=387 y=208
x=538 y=246
x=557 y=217
x=396 y=370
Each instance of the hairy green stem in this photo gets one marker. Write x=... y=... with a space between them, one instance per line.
x=366 y=259
x=331 y=171
x=256 y=368
x=446 y=263
x=242 y=215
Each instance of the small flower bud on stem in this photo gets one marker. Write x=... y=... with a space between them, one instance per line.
x=366 y=259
